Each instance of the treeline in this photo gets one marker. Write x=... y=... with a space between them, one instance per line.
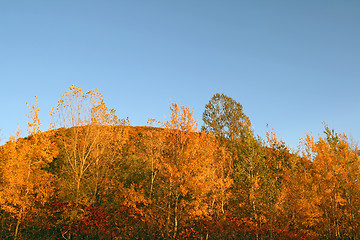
x=93 y=176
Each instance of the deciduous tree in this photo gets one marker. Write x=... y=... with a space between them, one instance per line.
x=335 y=178
x=224 y=118
x=25 y=184
x=88 y=129
x=187 y=171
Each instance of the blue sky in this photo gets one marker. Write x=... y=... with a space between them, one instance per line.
x=291 y=64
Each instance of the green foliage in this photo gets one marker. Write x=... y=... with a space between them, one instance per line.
x=224 y=118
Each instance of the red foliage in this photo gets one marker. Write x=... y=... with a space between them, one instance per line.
x=91 y=222
x=189 y=233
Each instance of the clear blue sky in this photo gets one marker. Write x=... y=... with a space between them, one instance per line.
x=291 y=64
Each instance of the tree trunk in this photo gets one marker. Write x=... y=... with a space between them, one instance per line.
x=18 y=224
x=176 y=216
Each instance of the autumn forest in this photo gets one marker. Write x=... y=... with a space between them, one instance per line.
x=91 y=175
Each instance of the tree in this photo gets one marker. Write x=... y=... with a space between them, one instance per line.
x=187 y=168
x=276 y=163
x=88 y=127
x=335 y=175
x=246 y=190
x=25 y=184
x=224 y=118
x=88 y=132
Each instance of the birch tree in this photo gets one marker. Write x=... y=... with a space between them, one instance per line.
x=87 y=129
x=186 y=171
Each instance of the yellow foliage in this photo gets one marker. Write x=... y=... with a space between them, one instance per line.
x=25 y=184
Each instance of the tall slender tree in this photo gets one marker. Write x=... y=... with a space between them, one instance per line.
x=87 y=127
x=186 y=175
x=335 y=177
x=224 y=118
x=25 y=184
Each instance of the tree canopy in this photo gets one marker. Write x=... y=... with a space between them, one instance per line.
x=224 y=117
x=94 y=176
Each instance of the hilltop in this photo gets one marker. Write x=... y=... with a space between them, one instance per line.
x=95 y=176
